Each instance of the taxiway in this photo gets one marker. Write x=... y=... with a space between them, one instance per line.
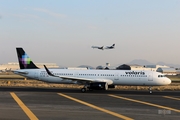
x=21 y=103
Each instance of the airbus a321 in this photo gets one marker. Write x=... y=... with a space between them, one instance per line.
x=91 y=79
x=102 y=47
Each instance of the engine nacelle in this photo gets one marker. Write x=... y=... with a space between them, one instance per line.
x=98 y=86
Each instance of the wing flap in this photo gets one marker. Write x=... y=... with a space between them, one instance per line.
x=77 y=78
x=87 y=79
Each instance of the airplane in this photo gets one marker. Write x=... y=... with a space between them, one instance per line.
x=92 y=79
x=110 y=47
x=101 y=48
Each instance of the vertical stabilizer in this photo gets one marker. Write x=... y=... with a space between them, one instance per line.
x=24 y=60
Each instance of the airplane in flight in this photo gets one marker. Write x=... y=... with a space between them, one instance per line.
x=110 y=47
x=92 y=79
x=102 y=47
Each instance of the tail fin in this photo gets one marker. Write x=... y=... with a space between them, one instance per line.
x=102 y=48
x=24 y=60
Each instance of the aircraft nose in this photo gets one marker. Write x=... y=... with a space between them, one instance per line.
x=168 y=81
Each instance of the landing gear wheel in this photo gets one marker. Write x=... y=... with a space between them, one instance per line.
x=83 y=90
x=150 y=90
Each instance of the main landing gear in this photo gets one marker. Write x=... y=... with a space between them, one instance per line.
x=95 y=86
x=83 y=90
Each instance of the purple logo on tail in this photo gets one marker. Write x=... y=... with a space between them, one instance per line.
x=25 y=60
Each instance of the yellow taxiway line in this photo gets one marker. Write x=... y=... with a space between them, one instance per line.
x=142 y=102
x=171 y=97
x=96 y=107
x=23 y=107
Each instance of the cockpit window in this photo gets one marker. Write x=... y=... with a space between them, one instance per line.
x=161 y=75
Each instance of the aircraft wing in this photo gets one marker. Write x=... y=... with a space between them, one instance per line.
x=67 y=77
x=87 y=79
x=95 y=46
x=79 y=79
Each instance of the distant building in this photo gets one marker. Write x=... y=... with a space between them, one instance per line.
x=100 y=67
x=76 y=68
x=155 y=67
x=15 y=66
x=86 y=66
x=178 y=71
x=107 y=66
x=130 y=67
x=167 y=71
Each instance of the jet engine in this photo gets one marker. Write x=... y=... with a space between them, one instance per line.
x=111 y=86
x=98 y=86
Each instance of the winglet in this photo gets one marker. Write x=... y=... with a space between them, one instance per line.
x=47 y=70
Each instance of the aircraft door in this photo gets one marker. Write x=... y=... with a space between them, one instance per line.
x=76 y=74
x=116 y=76
x=36 y=76
x=150 y=76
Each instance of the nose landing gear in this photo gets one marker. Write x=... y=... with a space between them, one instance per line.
x=150 y=90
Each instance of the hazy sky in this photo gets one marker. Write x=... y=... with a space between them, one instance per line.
x=63 y=31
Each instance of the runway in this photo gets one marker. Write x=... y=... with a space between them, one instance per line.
x=21 y=103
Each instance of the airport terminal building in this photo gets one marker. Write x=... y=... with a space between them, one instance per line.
x=130 y=67
x=166 y=70
x=15 y=66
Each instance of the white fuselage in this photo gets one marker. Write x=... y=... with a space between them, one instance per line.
x=114 y=77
